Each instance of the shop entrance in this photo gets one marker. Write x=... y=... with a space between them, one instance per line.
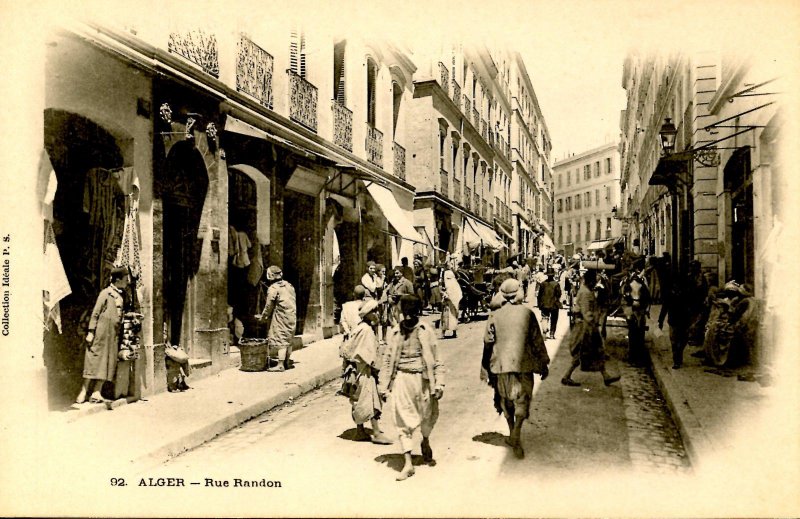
x=184 y=184
x=739 y=183
x=88 y=219
x=299 y=249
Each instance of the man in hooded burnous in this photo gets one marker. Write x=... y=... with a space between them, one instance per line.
x=513 y=351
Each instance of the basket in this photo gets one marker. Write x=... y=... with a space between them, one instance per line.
x=255 y=354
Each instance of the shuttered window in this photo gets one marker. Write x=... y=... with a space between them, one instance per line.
x=297 y=52
x=339 y=73
x=372 y=74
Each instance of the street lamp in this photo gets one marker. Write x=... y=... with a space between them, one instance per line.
x=668 y=135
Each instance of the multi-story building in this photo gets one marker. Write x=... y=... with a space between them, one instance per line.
x=225 y=151
x=532 y=182
x=587 y=194
x=458 y=154
x=719 y=195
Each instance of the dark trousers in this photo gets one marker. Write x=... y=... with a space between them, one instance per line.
x=678 y=336
x=552 y=316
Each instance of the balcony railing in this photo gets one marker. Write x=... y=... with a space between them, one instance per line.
x=457 y=93
x=374 y=146
x=467 y=198
x=197 y=46
x=477 y=207
x=254 y=68
x=484 y=207
x=476 y=119
x=484 y=130
x=444 y=183
x=399 y=161
x=497 y=207
x=302 y=101
x=457 y=191
x=491 y=211
x=444 y=78
x=342 y=125
x=467 y=106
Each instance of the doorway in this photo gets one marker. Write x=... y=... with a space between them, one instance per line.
x=739 y=183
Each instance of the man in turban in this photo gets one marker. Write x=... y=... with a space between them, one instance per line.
x=513 y=351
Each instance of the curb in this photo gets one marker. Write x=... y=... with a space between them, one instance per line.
x=226 y=423
x=695 y=439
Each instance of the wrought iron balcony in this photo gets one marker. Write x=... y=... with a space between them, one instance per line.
x=399 y=161
x=477 y=207
x=374 y=146
x=444 y=183
x=342 y=125
x=197 y=46
x=456 y=93
x=302 y=101
x=444 y=78
x=497 y=207
x=476 y=119
x=254 y=68
x=457 y=191
x=467 y=198
x=467 y=106
x=484 y=130
x=484 y=207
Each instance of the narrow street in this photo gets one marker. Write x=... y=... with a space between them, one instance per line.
x=573 y=433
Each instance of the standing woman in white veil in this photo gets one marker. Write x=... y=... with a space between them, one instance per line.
x=451 y=298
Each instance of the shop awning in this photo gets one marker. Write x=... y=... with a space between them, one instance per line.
x=506 y=233
x=392 y=211
x=476 y=233
x=599 y=244
x=262 y=200
x=547 y=242
x=524 y=225
x=234 y=125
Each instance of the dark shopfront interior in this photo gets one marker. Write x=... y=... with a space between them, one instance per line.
x=88 y=217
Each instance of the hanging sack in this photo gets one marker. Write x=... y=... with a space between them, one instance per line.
x=349 y=382
x=176 y=353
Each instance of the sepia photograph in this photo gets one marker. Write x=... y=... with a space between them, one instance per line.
x=399 y=259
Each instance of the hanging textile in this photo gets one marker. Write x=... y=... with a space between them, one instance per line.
x=128 y=253
x=337 y=255
x=256 y=269
x=104 y=202
x=56 y=283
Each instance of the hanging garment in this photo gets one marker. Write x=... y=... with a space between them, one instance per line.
x=56 y=283
x=128 y=253
x=104 y=202
x=241 y=259
x=337 y=256
x=256 y=265
x=233 y=243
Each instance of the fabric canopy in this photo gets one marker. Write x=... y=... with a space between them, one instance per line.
x=547 y=242
x=476 y=233
x=392 y=211
x=598 y=244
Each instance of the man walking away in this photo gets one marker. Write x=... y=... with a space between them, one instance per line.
x=677 y=310
x=280 y=314
x=549 y=300
x=513 y=351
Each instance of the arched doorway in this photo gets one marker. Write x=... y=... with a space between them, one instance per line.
x=739 y=186
x=88 y=218
x=183 y=185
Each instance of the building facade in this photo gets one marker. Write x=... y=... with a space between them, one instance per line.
x=199 y=156
x=720 y=196
x=587 y=194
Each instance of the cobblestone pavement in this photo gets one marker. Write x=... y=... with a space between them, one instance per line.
x=654 y=443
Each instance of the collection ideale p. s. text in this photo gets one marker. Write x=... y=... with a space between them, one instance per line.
x=5 y=281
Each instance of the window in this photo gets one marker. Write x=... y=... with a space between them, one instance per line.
x=569 y=203
x=397 y=98
x=608 y=166
x=587 y=199
x=297 y=52
x=338 y=72
x=560 y=234
x=597 y=232
x=569 y=233
x=608 y=195
x=569 y=178
x=608 y=227
x=597 y=169
x=577 y=201
x=559 y=181
x=588 y=230
x=441 y=150
x=597 y=197
x=578 y=231
x=372 y=74
x=587 y=172
x=558 y=205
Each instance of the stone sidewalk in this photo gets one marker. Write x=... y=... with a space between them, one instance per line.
x=708 y=405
